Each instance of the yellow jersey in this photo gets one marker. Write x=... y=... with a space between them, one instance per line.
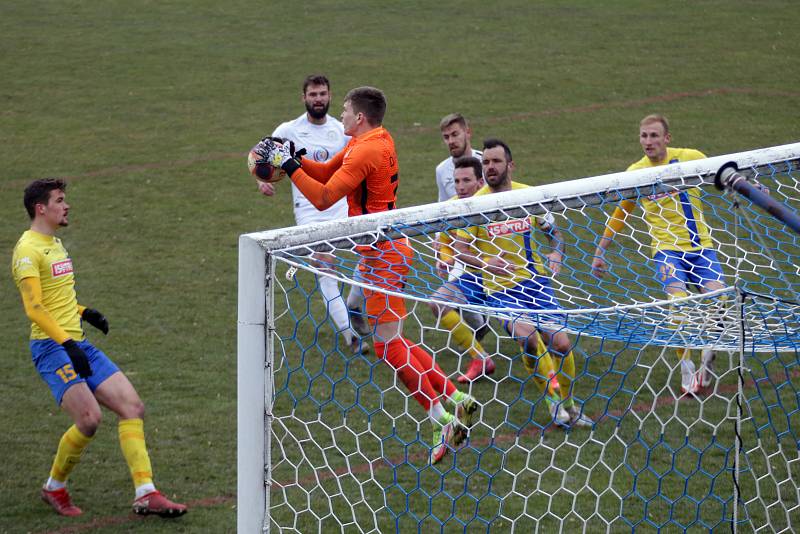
x=675 y=218
x=44 y=257
x=513 y=239
x=444 y=242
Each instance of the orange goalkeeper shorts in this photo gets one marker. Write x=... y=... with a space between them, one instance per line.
x=385 y=265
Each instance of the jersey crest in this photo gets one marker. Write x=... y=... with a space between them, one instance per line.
x=321 y=154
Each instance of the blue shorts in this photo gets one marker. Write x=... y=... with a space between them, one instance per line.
x=55 y=367
x=680 y=267
x=471 y=285
x=532 y=294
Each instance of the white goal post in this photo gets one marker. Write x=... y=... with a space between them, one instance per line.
x=260 y=252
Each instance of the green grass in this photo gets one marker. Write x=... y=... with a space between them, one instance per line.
x=149 y=108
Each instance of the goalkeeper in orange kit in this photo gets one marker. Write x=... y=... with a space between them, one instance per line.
x=366 y=172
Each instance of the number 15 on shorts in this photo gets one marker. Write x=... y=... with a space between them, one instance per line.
x=67 y=373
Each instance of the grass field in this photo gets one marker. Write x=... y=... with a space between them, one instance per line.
x=149 y=107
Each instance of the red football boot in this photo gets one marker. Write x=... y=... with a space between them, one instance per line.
x=477 y=369
x=61 y=502
x=154 y=503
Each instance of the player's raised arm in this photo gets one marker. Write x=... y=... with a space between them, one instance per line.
x=323 y=191
x=322 y=171
x=555 y=241
x=614 y=225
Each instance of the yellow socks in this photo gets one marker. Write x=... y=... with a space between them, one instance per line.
x=541 y=368
x=462 y=334
x=565 y=378
x=70 y=448
x=131 y=440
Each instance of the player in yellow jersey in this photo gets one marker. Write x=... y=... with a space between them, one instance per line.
x=502 y=256
x=467 y=178
x=80 y=376
x=682 y=249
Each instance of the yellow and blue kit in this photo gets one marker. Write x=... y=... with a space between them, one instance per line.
x=43 y=272
x=681 y=240
x=528 y=287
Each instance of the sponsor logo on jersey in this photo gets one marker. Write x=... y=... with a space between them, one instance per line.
x=514 y=226
x=61 y=268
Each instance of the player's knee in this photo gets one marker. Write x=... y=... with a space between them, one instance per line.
x=135 y=409
x=530 y=345
x=88 y=421
x=562 y=347
x=559 y=345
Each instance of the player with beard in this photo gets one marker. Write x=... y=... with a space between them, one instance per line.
x=457 y=136
x=514 y=275
x=322 y=136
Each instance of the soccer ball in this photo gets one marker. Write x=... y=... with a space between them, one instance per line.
x=263 y=171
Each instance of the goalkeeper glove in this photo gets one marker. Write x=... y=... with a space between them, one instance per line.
x=80 y=363
x=96 y=319
x=296 y=154
x=279 y=153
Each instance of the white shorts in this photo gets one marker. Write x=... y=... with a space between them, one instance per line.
x=307 y=213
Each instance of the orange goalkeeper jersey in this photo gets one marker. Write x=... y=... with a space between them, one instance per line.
x=365 y=171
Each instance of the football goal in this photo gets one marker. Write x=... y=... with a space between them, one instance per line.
x=684 y=407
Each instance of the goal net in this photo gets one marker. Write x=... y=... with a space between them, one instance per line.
x=330 y=439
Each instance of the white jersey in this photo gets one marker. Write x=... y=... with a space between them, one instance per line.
x=444 y=176
x=322 y=142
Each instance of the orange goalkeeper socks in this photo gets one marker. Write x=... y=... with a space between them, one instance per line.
x=398 y=354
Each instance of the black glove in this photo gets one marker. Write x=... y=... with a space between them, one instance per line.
x=96 y=319
x=80 y=363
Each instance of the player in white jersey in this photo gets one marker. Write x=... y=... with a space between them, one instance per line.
x=322 y=136
x=457 y=135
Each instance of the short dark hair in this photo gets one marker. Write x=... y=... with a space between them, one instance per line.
x=370 y=101
x=453 y=118
x=38 y=192
x=493 y=142
x=316 y=79
x=467 y=162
